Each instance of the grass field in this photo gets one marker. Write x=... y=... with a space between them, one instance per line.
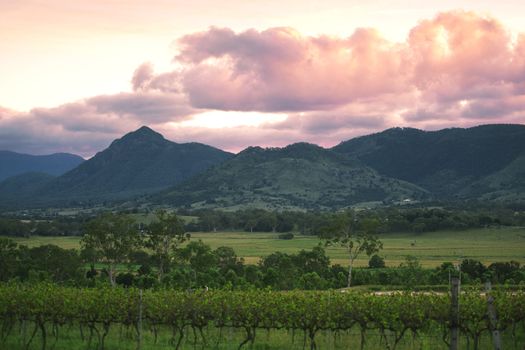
x=486 y=245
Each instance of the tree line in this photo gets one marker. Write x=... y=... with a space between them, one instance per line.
x=119 y=251
x=391 y=219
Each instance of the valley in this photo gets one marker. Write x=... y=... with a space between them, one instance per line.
x=431 y=248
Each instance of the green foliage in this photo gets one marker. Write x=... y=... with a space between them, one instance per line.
x=63 y=264
x=112 y=238
x=42 y=263
x=399 y=165
x=413 y=273
x=355 y=235
x=12 y=163
x=8 y=258
x=473 y=269
x=376 y=262
x=505 y=271
x=22 y=187
x=164 y=236
x=394 y=316
x=297 y=176
x=198 y=265
x=140 y=162
x=450 y=163
x=16 y=227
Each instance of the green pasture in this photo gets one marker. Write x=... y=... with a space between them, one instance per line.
x=487 y=245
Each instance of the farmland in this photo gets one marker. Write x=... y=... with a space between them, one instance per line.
x=487 y=245
x=116 y=318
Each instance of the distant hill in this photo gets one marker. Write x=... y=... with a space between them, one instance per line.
x=140 y=162
x=298 y=176
x=450 y=163
x=482 y=163
x=507 y=184
x=22 y=186
x=12 y=163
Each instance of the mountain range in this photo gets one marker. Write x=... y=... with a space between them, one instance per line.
x=12 y=163
x=397 y=165
x=139 y=163
x=448 y=163
x=300 y=175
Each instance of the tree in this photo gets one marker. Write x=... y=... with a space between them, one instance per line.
x=279 y=270
x=61 y=264
x=412 y=271
x=314 y=260
x=228 y=260
x=8 y=258
x=376 y=262
x=356 y=236
x=164 y=236
x=473 y=268
x=503 y=271
x=112 y=237
x=209 y=220
x=199 y=255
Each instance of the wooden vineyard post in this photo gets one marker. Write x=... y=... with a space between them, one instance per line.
x=139 y=322
x=496 y=339
x=454 y=315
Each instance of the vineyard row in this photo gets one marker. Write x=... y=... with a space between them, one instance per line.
x=394 y=316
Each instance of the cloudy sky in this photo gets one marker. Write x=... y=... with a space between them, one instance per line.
x=74 y=75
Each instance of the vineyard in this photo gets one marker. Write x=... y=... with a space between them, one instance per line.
x=38 y=316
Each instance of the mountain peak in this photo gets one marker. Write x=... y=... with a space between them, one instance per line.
x=141 y=137
x=303 y=146
x=144 y=131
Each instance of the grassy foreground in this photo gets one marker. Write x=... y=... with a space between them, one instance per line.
x=121 y=337
x=487 y=245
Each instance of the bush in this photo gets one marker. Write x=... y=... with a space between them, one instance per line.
x=125 y=279
x=376 y=262
x=287 y=235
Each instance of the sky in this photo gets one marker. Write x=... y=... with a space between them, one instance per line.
x=75 y=75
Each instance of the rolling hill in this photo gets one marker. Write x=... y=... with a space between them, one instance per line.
x=140 y=162
x=297 y=176
x=482 y=163
x=450 y=163
x=12 y=163
x=23 y=186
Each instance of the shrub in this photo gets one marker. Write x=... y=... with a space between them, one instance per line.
x=376 y=262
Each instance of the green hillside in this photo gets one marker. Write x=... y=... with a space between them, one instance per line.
x=445 y=162
x=23 y=186
x=12 y=163
x=506 y=184
x=298 y=176
x=481 y=163
x=140 y=162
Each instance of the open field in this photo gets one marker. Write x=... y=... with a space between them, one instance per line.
x=486 y=245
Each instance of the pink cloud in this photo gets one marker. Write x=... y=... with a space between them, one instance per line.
x=456 y=69
x=454 y=57
x=142 y=75
x=463 y=56
x=280 y=70
x=145 y=79
x=87 y=126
